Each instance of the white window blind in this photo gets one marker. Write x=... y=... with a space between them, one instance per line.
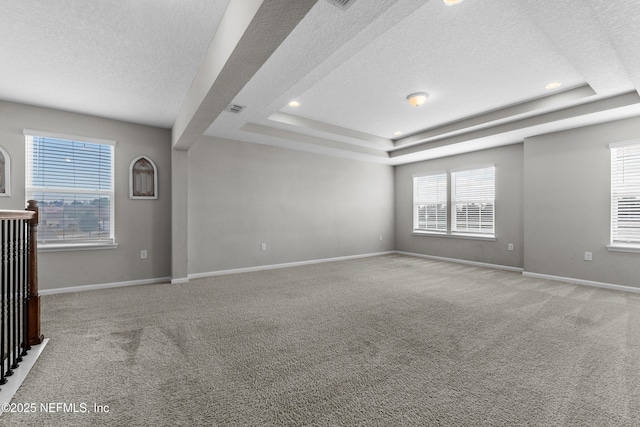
x=430 y=203
x=473 y=201
x=72 y=181
x=625 y=193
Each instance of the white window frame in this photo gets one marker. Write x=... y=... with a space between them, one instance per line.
x=439 y=198
x=625 y=184
x=480 y=196
x=451 y=231
x=70 y=244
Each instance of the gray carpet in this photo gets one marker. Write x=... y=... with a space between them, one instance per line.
x=389 y=341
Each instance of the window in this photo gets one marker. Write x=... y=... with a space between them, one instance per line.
x=472 y=200
x=430 y=203
x=625 y=194
x=469 y=203
x=72 y=180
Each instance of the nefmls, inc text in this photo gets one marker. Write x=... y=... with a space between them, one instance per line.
x=54 y=407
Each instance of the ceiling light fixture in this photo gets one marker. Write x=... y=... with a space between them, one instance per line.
x=397 y=133
x=417 y=99
x=553 y=85
x=294 y=104
x=451 y=2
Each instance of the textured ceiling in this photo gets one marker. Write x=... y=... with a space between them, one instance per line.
x=484 y=63
x=368 y=91
x=122 y=59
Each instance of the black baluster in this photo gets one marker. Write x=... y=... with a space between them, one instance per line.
x=27 y=281
x=14 y=295
x=19 y=312
x=10 y=257
x=3 y=258
x=24 y=256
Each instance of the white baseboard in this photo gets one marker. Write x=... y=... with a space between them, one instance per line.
x=463 y=261
x=583 y=282
x=104 y=286
x=344 y=258
x=199 y=275
x=285 y=265
x=14 y=382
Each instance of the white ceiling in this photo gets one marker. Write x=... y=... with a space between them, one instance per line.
x=132 y=60
x=484 y=63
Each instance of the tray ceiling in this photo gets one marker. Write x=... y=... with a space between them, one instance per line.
x=484 y=64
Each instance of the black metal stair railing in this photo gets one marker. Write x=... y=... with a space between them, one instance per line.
x=15 y=278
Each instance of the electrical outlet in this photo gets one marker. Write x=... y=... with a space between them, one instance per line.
x=588 y=256
x=381 y=237
x=510 y=247
x=264 y=247
x=143 y=254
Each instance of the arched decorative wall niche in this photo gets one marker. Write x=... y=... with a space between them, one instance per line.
x=143 y=179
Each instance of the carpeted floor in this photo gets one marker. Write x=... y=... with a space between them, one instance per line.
x=382 y=341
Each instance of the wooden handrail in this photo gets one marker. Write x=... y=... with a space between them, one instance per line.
x=26 y=214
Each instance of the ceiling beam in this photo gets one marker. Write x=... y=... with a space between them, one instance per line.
x=490 y=119
x=309 y=139
x=620 y=23
x=250 y=31
x=577 y=30
x=519 y=127
x=366 y=138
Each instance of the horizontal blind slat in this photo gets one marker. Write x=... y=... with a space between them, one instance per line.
x=73 y=183
x=625 y=193
x=473 y=198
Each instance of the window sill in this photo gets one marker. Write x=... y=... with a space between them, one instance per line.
x=456 y=236
x=624 y=248
x=77 y=247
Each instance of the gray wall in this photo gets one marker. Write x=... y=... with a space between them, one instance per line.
x=303 y=206
x=306 y=206
x=567 y=204
x=508 y=161
x=140 y=224
x=179 y=216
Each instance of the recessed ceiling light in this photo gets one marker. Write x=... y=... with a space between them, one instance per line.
x=553 y=85
x=451 y=2
x=417 y=99
x=294 y=104
x=397 y=133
